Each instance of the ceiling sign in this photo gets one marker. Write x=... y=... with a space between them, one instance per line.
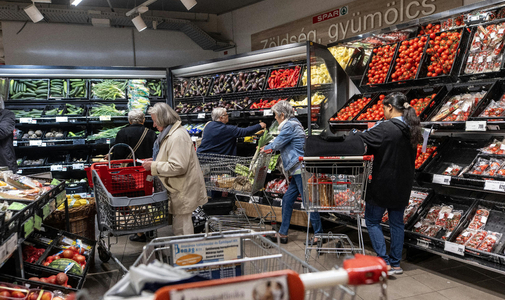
x=350 y=20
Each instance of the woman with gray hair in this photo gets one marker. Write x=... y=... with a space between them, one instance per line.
x=219 y=138
x=290 y=143
x=176 y=165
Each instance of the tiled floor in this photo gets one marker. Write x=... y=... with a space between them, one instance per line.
x=429 y=278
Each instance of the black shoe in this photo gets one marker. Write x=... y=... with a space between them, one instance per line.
x=273 y=238
x=137 y=238
x=151 y=234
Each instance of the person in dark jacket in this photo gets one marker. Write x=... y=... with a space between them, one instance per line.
x=7 y=123
x=393 y=144
x=131 y=135
x=219 y=138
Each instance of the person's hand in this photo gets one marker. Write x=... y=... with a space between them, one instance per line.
x=147 y=165
x=106 y=157
x=263 y=125
x=148 y=159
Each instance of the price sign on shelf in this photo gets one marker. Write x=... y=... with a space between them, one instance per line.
x=475 y=125
x=268 y=112
x=107 y=141
x=28 y=227
x=441 y=179
x=454 y=248
x=46 y=211
x=105 y=118
x=15 y=143
x=36 y=143
x=56 y=167
x=78 y=166
x=194 y=138
x=423 y=243
x=62 y=119
x=37 y=222
x=26 y=120
x=494 y=185
x=201 y=116
x=235 y=114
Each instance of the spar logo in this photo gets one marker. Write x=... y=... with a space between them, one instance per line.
x=330 y=15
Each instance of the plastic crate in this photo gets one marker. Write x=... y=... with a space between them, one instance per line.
x=439 y=92
x=364 y=79
x=496 y=92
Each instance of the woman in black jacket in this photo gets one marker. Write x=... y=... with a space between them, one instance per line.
x=393 y=144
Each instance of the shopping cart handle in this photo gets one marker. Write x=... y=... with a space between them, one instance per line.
x=347 y=158
x=365 y=269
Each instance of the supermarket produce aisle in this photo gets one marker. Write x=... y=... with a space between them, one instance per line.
x=427 y=277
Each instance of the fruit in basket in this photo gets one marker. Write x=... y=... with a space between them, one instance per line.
x=375 y=112
x=68 y=254
x=349 y=112
x=408 y=59
x=429 y=29
x=422 y=157
x=61 y=278
x=419 y=104
x=379 y=66
x=63 y=263
x=442 y=51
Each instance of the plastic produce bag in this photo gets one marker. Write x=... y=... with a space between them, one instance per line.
x=490 y=241
x=480 y=218
x=476 y=239
x=138 y=95
x=452 y=170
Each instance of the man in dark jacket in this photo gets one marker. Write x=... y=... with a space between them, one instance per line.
x=7 y=123
x=131 y=135
x=219 y=138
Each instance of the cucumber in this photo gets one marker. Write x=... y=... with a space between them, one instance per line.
x=79 y=90
x=40 y=91
x=29 y=84
x=11 y=85
x=24 y=87
x=17 y=95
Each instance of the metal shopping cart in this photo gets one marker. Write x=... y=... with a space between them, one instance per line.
x=335 y=184
x=125 y=201
x=249 y=263
x=240 y=176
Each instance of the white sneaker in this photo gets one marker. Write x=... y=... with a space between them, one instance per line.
x=395 y=270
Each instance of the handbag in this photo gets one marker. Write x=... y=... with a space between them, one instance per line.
x=146 y=130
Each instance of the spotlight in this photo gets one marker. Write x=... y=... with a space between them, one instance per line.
x=189 y=3
x=76 y=2
x=33 y=13
x=139 y=23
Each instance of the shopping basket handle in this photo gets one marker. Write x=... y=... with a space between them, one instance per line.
x=365 y=269
x=318 y=158
x=219 y=222
x=122 y=144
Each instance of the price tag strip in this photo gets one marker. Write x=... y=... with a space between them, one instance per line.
x=441 y=179
x=475 y=126
x=105 y=118
x=454 y=248
x=62 y=119
x=201 y=116
x=494 y=185
x=78 y=166
x=422 y=243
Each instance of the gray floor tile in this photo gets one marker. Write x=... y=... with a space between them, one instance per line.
x=436 y=282
x=492 y=286
x=428 y=296
x=467 y=293
x=464 y=273
x=397 y=289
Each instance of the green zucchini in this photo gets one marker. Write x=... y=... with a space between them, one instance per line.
x=17 y=95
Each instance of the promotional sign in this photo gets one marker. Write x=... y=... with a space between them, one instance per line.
x=349 y=20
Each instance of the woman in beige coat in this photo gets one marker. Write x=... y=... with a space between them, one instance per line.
x=176 y=165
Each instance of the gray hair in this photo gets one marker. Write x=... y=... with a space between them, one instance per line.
x=165 y=115
x=136 y=116
x=283 y=107
x=217 y=113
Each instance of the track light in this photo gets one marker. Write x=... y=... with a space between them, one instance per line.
x=139 y=23
x=33 y=13
x=76 y=2
x=189 y=3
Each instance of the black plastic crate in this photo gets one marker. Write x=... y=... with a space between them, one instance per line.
x=495 y=222
x=416 y=192
x=290 y=66
x=96 y=81
x=28 y=161
x=15 y=224
x=496 y=92
x=364 y=80
x=458 y=90
x=78 y=157
x=481 y=75
x=152 y=85
x=438 y=142
x=470 y=174
x=78 y=88
x=57 y=158
x=457 y=151
x=58 y=88
x=77 y=188
x=458 y=203
x=24 y=86
x=67 y=112
x=56 y=250
x=49 y=110
x=458 y=58
x=425 y=92
x=392 y=68
x=353 y=99
x=374 y=102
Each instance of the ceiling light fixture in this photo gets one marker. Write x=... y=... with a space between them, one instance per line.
x=139 y=23
x=140 y=7
x=100 y=22
x=42 y=1
x=189 y=4
x=76 y=2
x=33 y=12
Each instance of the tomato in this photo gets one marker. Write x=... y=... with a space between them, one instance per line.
x=380 y=64
x=68 y=253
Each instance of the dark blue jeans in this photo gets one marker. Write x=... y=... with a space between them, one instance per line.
x=373 y=217
x=296 y=188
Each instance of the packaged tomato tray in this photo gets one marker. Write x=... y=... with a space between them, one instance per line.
x=417 y=197
x=352 y=108
x=458 y=107
x=486 y=49
x=486 y=167
x=495 y=147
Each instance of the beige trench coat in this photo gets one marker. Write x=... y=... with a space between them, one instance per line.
x=178 y=169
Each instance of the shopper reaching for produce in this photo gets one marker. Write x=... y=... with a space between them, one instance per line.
x=7 y=123
x=176 y=165
x=290 y=142
x=220 y=138
x=393 y=144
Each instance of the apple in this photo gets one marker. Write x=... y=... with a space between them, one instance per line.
x=46 y=296
x=18 y=294
x=5 y=295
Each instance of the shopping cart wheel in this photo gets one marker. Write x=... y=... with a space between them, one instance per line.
x=103 y=254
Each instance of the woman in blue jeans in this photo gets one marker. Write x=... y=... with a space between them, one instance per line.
x=393 y=144
x=290 y=142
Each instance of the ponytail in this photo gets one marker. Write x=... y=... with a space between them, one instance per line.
x=400 y=103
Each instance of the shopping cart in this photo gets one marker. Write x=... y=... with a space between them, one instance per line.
x=335 y=184
x=125 y=202
x=253 y=263
x=240 y=176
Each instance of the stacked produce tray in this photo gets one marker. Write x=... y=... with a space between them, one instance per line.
x=439 y=219
x=423 y=100
x=377 y=58
x=433 y=146
x=24 y=89
x=492 y=106
x=108 y=89
x=419 y=197
x=353 y=107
